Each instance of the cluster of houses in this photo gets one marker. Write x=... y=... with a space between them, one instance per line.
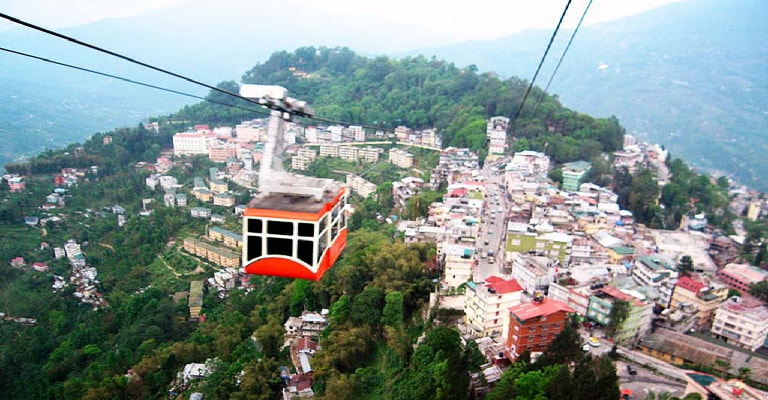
x=302 y=334
x=82 y=277
x=573 y=250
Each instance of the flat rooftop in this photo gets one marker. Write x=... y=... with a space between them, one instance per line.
x=294 y=203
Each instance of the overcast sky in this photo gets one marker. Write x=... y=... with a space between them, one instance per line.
x=467 y=20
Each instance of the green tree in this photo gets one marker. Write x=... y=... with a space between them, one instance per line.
x=685 y=265
x=616 y=317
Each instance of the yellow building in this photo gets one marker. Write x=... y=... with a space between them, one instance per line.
x=216 y=255
x=228 y=238
x=703 y=297
x=218 y=186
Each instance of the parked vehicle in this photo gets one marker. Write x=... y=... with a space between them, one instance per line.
x=631 y=369
x=594 y=342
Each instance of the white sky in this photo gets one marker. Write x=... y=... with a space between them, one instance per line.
x=456 y=20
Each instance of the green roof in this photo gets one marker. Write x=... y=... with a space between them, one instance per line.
x=623 y=250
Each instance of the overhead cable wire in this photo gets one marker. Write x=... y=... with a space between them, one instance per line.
x=541 y=62
x=121 y=56
x=165 y=71
x=562 y=56
x=88 y=70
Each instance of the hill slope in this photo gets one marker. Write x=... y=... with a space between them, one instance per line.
x=689 y=75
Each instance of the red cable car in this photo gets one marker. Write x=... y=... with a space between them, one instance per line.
x=293 y=236
x=296 y=227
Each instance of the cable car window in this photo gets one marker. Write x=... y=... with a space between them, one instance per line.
x=279 y=246
x=280 y=228
x=323 y=222
x=335 y=212
x=322 y=244
x=334 y=231
x=306 y=229
x=254 y=247
x=254 y=225
x=343 y=221
x=305 y=249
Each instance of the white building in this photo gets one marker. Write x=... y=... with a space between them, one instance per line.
x=189 y=143
x=400 y=158
x=531 y=272
x=487 y=302
x=657 y=273
x=741 y=324
x=360 y=186
x=497 y=135
x=457 y=263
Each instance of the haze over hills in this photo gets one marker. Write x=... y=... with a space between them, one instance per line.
x=688 y=75
x=44 y=105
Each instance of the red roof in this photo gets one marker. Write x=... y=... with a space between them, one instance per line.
x=690 y=284
x=503 y=286
x=616 y=293
x=458 y=193
x=526 y=311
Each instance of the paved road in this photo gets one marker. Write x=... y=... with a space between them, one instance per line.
x=646 y=381
x=493 y=226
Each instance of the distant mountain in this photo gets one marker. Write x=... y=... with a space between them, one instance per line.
x=43 y=106
x=689 y=75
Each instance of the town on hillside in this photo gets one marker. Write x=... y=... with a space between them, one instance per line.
x=519 y=253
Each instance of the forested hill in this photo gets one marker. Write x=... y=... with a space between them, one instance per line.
x=688 y=75
x=419 y=93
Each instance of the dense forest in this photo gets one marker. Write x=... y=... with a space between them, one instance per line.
x=376 y=293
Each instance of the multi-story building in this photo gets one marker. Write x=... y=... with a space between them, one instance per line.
x=529 y=163
x=574 y=173
x=221 y=151
x=456 y=260
x=300 y=163
x=181 y=199
x=349 y=153
x=741 y=276
x=190 y=143
x=406 y=188
x=533 y=273
x=576 y=297
x=741 y=324
x=202 y=194
x=217 y=255
x=200 y=212
x=360 y=186
x=486 y=304
x=228 y=238
x=533 y=326
x=496 y=134
x=657 y=273
x=218 y=186
x=223 y=199
x=369 y=154
x=329 y=150
x=402 y=133
x=704 y=297
x=250 y=131
x=521 y=239
x=307 y=152
x=357 y=132
x=400 y=158
x=168 y=182
x=638 y=322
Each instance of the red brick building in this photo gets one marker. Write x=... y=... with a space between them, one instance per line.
x=533 y=326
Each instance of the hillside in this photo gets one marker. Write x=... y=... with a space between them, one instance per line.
x=137 y=332
x=687 y=75
x=50 y=106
